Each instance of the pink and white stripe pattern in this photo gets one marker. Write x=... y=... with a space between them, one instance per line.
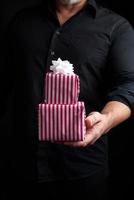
x=59 y=122
x=61 y=88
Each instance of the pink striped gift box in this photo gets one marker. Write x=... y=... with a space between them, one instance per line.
x=61 y=88
x=59 y=122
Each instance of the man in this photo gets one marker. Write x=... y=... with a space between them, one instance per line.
x=100 y=44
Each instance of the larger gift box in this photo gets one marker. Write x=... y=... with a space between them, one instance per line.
x=58 y=122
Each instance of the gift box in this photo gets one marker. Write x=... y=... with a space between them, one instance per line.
x=61 y=88
x=61 y=115
x=58 y=122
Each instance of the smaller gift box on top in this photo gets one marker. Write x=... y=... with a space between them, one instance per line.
x=62 y=85
x=61 y=115
x=61 y=88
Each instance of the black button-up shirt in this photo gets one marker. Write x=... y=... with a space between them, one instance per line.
x=100 y=45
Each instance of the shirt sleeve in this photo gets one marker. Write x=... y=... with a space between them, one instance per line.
x=121 y=65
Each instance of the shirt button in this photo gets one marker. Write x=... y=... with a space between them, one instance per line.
x=52 y=53
x=58 y=32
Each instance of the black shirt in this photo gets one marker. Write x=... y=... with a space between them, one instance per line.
x=100 y=45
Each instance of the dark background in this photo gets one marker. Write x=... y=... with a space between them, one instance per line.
x=121 y=145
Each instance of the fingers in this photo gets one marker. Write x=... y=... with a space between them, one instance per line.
x=89 y=140
x=92 y=119
x=76 y=144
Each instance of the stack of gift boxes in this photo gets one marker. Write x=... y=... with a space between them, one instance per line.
x=61 y=115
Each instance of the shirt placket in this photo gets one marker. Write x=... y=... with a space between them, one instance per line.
x=52 y=48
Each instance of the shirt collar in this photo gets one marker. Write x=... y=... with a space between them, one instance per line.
x=92 y=6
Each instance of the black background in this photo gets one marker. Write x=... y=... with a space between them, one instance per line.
x=120 y=145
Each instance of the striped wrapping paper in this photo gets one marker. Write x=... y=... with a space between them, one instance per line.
x=59 y=122
x=61 y=88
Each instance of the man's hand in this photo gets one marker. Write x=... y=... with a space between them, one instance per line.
x=96 y=125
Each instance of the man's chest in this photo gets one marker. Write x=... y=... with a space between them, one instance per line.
x=79 y=42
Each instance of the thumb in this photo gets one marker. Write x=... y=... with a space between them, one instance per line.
x=88 y=122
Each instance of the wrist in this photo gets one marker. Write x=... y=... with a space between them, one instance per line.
x=109 y=121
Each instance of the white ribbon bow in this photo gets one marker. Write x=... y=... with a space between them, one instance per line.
x=60 y=66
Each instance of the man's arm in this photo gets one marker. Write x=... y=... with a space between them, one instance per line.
x=119 y=101
x=117 y=112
